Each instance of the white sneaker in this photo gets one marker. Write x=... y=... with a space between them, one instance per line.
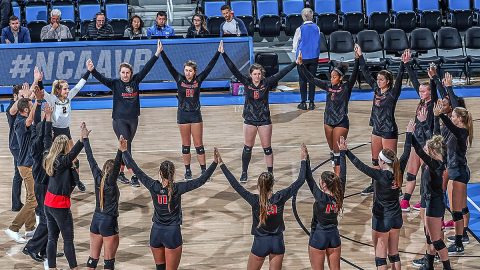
x=45 y=264
x=29 y=234
x=15 y=236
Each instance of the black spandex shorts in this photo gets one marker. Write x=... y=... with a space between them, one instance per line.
x=266 y=245
x=189 y=117
x=435 y=206
x=325 y=238
x=344 y=123
x=61 y=131
x=385 y=135
x=104 y=225
x=385 y=224
x=165 y=236
x=460 y=174
x=258 y=124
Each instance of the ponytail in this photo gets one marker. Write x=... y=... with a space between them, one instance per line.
x=265 y=185
x=334 y=185
x=102 y=185
x=106 y=172
x=467 y=120
x=395 y=165
x=167 y=171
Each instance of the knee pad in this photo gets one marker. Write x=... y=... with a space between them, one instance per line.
x=429 y=241
x=411 y=177
x=185 y=149
x=109 y=264
x=336 y=159
x=161 y=266
x=92 y=263
x=439 y=245
x=465 y=211
x=200 y=150
x=457 y=216
x=247 y=150
x=375 y=161
x=394 y=258
x=380 y=261
x=268 y=151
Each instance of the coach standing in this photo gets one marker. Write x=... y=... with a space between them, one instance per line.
x=307 y=41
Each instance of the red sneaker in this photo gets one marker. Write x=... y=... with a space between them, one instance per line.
x=449 y=224
x=405 y=205
x=417 y=206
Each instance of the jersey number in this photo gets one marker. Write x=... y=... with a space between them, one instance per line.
x=331 y=208
x=272 y=210
x=162 y=199
x=64 y=109
x=189 y=92
x=256 y=94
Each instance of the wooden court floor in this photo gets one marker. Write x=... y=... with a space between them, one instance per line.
x=216 y=221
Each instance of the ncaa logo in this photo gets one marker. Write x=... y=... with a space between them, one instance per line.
x=129 y=89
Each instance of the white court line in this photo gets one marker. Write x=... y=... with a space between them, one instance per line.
x=473 y=203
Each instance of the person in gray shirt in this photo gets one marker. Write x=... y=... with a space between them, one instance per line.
x=55 y=30
x=135 y=28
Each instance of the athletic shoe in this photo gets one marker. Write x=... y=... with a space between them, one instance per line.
x=367 y=191
x=465 y=239
x=33 y=255
x=134 y=181
x=188 y=175
x=405 y=205
x=417 y=206
x=419 y=262
x=244 y=178
x=302 y=106
x=122 y=179
x=81 y=186
x=455 y=250
x=17 y=209
x=449 y=224
x=311 y=106
x=15 y=236
x=29 y=234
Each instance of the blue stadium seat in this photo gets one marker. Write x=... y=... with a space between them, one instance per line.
x=403 y=15
x=269 y=21
x=36 y=17
x=472 y=49
x=68 y=16
x=424 y=45
x=352 y=15
x=476 y=11
x=323 y=67
x=88 y=2
x=429 y=14
x=460 y=14
x=378 y=16
x=62 y=2
x=327 y=18
x=117 y=15
x=450 y=50
x=244 y=11
x=372 y=48
x=395 y=42
x=35 y=2
x=214 y=15
x=87 y=14
x=341 y=47
x=106 y=2
x=292 y=10
x=17 y=11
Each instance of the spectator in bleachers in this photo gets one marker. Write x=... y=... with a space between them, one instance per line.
x=160 y=27
x=198 y=28
x=307 y=40
x=135 y=28
x=232 y=25
x=55 y=30
x=99 y=27
x=6 y=10
x=14 y=33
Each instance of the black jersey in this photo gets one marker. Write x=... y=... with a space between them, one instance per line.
x=126 y=102
x=12 y=139
x=456 y=143
x=382 y=117
x=325 y=210
x=338 y=96
x=41 y=143
x=385 y=199
x=432 y=172
x=189 y=91
x=63 y=182
x=274 y=224
x=256 y=108
x=167 y=212
x=111 y=193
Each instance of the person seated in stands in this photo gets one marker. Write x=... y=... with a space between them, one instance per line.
x=135 y=28
x=99 y=27
x=198 y=28
x=160 y=27
x=14 y=33
x=232 y=25
x=55 y=30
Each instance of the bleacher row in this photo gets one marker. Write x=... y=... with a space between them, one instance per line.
x=76 y=14
x=270 y=17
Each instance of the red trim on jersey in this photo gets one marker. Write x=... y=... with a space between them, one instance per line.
x=57 y=201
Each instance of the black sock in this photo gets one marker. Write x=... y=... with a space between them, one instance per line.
x=458 y=240
x=446 y=265
x=407 y=196
x=162 y=266
x=187 y=167
x=246 y=157
x=203 y=167
x=430 y=260
x=270 y=169
x=465 y=231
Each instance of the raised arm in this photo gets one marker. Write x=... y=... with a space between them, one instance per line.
x=288 y=192
x=204 y=74
x=353 y=76
x=74 y=91
x=413 y=77
x=102 y=79
x=312 y=79
x=397 y=87
x=343 y=169
x=148 y=182
x=144 y=71
x=407 y=147
x=456 y=131
x=371 y=172
x=112 y=179
x=244 y=193
x=367 y=75
x=279 y=75
x=234 y=70
x=96 y=171
x=424 y=156
x=176 y=76
x=66 y=161
x=318 y=194
x=196 y=183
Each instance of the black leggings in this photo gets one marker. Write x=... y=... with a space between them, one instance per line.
x=60 y=220
x=311 y=66
x=127 y=128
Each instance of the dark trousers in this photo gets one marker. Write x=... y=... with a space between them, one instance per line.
x=38 y=243
x=127 y=128
x=311 y=66
x=16 y=183
x=60 y=220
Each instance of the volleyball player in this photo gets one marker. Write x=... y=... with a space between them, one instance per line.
x=104 y=226
x=126 y=102
x=166 y=236
x=335 y=117
x=58 y=165
x=267 y=210
x=256 y=111
x=189 y=116
x=387 y=215
x=324 y=236
x=382 y=118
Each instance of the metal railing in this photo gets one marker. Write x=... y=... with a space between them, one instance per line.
x=170 y=11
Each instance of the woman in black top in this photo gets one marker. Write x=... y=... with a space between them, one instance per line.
x=382 y=118
x=165 y=236
x=189 y=116
x=432 y=185
x=267 y=214
x=104 y=226
x=198 y=28
x=126 y=102
x=387 y=215
x=335 y=117
x=461 y=127
x=324 y=236
x=256 y=111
